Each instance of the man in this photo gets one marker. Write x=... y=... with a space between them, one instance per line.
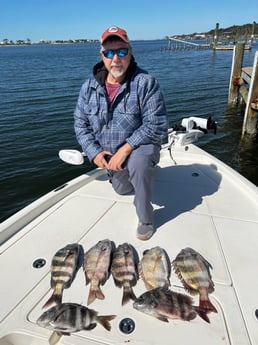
x=120 y=119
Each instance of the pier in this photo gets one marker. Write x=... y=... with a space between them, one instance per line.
x=218 y=45
x=243 y=87
x=218 y=42
x=179 y=44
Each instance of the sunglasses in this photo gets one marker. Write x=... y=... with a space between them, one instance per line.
x=110 y=53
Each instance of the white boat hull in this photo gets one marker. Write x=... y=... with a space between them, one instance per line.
x=199 y=202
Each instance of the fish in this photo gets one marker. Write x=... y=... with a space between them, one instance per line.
x=96 y=268
x=124 y=270
x=194 y=272
x=165 y=304
x=154 y=268
x=68 y=318
x=64 y=266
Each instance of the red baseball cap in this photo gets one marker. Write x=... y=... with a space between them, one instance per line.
x=114 y=31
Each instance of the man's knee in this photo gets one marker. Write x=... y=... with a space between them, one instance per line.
x=144 y=157
x=121 y=183
x=123 y=189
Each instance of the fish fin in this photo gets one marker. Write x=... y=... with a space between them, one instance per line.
x=91 y=326
x=104 y=321
x=166 y=285
x=181 y=278
x=105 y=278
x=87 y=280
x=99 y=294
x=80 y=256
x=207 y=305
x=91 y=297
x=147 y=284
x=162 y=318
x=140 y=270
x=190 y=290
x=54 y=338
x=202 y=313
x=55 y=298
x=95 y=293
x=127 y=295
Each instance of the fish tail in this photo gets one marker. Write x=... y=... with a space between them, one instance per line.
x=99 y=294
x=128 y=294
x=55 y=298
x=95 y=293
x=104 y=321
x=207 y=305
x=54 y=338
x=202 y=313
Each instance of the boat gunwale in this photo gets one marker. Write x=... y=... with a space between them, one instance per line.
x=22 y=218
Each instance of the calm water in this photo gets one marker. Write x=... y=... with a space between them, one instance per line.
x=39 y=86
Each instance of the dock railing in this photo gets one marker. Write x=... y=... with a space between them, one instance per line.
x=180 y=44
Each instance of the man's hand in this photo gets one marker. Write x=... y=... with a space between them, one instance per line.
x=100 y=160
x=117 y=160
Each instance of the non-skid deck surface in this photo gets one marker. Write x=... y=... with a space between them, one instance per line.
x=192 y=209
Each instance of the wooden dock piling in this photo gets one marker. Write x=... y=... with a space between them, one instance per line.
x=236 y=72
x=251 y=110
x=216 y=35
x=244 y=86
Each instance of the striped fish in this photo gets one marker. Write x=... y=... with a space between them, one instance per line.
x=64 y=267
x=96 y=268
x=67 y=318
x=165 y=304
x=124 y=270
x=154 y=268
x=194 y=272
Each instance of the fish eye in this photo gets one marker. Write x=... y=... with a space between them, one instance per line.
x=140 y=300
x=153 y=304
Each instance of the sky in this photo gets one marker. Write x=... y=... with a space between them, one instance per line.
x=143 y=19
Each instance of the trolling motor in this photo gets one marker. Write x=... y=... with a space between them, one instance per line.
x=190 y=130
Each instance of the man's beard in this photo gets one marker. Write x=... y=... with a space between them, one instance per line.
x=117 y=73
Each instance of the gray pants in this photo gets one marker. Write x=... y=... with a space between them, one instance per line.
x=138 y=176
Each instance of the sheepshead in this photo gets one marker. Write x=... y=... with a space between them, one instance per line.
x=96 y=268
x=124 y=270
x=64 y=267
x=194 y=272
x=154 y=268
x=165 y=304
x=67 y=318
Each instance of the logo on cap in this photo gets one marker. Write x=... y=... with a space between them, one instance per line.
x=113 y=29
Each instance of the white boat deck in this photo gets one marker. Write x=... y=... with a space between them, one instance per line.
x=199 y=203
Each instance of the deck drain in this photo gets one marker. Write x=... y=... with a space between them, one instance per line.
x=127 y=325
x=39 y=263
x=195 y=174
x=256 y=313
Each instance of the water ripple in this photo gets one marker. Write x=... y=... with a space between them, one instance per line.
x=39 y=86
